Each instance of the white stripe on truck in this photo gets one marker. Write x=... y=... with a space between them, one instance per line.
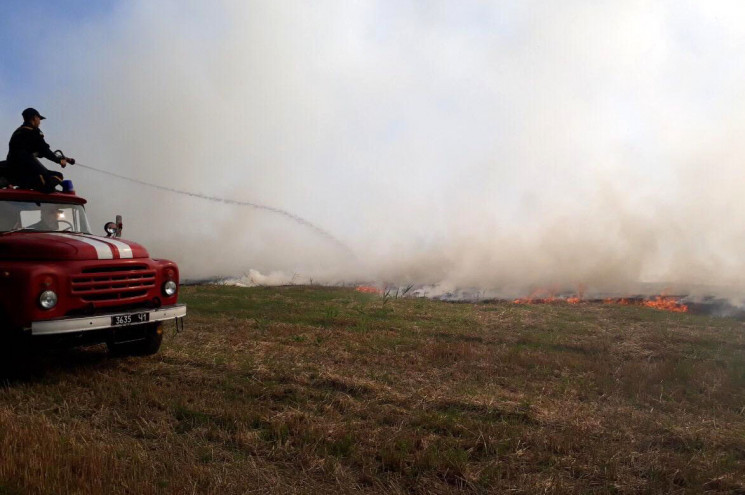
x=125 y=250
x=103 y=250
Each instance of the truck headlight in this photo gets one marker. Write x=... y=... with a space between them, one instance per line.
x=169 y=288
x=48 y=299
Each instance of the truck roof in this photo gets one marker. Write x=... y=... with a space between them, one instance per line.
x=39 y=197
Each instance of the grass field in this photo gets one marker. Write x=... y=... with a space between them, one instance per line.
x=326 y=390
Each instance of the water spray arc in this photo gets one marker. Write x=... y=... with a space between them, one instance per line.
x=318 y=230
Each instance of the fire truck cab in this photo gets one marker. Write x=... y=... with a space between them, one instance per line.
x=62 y=285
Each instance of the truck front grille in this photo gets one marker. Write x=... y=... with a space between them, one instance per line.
x=113 y=283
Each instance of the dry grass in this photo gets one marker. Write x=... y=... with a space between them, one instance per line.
x=317 y=390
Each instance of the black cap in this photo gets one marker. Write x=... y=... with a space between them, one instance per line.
x=31 y=112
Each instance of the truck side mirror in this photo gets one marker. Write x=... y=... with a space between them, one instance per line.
x=110 y=229
x=114 y=229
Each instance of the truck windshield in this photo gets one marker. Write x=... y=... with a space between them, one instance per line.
x=44 y=217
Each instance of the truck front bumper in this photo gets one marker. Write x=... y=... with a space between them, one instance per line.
x=102 y=322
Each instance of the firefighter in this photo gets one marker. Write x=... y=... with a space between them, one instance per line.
x=49 y=218
x=26 y=146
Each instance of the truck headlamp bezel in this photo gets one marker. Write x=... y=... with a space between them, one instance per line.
x=48 y=299
x=170 y=288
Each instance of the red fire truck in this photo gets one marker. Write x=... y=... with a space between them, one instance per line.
x=62 y=285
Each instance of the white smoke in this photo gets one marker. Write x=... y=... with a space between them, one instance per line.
x=501 y=145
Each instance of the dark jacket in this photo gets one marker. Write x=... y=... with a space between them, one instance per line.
x=27 y=140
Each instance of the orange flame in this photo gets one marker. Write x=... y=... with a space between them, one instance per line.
x=546 y=296
x=368 y=289
x=666 y=303
x=538 y=296
x=661 y=302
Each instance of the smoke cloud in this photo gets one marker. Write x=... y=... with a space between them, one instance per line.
x=497 y=145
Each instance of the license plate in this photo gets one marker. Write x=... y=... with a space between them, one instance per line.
x=133 y=319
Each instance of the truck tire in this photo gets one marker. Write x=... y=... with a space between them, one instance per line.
x=14 y=352
x=141 y=347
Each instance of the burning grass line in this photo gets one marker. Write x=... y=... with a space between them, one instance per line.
x=662 y=302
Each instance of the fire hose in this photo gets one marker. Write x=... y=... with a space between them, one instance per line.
x=318 y=230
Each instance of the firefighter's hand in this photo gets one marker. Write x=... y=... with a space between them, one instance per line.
x=63 y=162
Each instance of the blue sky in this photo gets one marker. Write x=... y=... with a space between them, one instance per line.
x=28 y=29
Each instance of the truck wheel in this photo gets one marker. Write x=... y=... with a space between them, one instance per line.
x=14 y=354
x=142 y=347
